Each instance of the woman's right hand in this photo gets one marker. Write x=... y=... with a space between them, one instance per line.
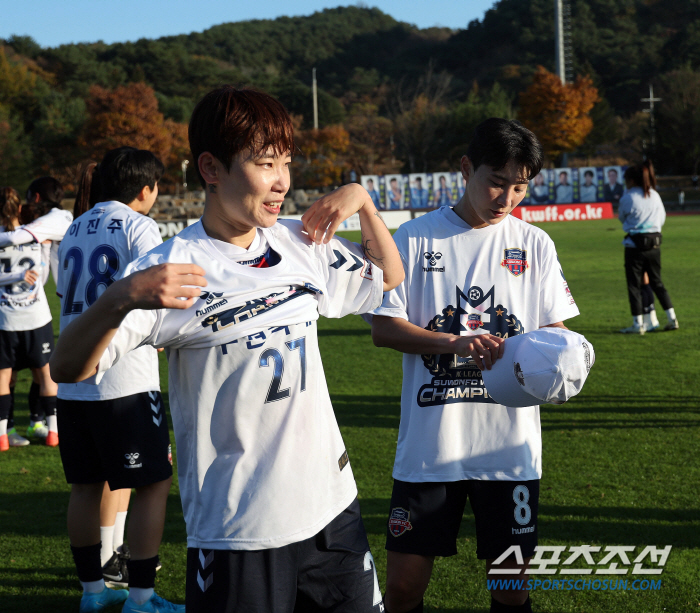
x=31 y=276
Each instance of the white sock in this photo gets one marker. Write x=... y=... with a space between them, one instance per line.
x=140 y=594
x=106 y=536
x=93 y=587
x=638 y=320
x=3 y=426
x=119 y=524
x=671 y=314
x=52 y=423
x=650 y=320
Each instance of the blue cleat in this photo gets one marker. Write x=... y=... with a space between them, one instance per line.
x=155 y=604
x=92 y=602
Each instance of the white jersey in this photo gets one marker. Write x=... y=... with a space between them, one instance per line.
x=261 y=461
x=49 y=227
x=95 y=252
x=23 y=306
x=504 y=279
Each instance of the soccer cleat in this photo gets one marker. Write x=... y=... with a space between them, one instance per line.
x=672 y=325
x=4 y=443
x=15 y=439
x=648 y=328
x=633 y=330
x=115 y=572
x=38 y=430
x=52 y=439
x=91 y=602
x=155 y=604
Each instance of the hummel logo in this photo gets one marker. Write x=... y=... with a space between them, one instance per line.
x=46 y=348
x=132 y=457
x=211 y=296
x=432 y=257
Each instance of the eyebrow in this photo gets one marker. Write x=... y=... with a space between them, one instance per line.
x=520 y=181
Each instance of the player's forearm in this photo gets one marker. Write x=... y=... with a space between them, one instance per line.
x=401 y=335
x=379 y=246
x=82 y=343
x=15 y=237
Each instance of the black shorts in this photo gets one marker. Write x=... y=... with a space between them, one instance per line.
x=425 y=517
x=26 y=348
x=331 y=571
x=124 y=441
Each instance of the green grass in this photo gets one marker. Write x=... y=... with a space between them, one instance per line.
x=620 y=460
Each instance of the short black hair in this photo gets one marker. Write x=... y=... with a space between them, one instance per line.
x=499 y=141
x=125 y=171
x=587 y=173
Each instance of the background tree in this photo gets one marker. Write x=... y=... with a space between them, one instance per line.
x=321 y=160
x=559 y=114
x=129 y=116
x=678 y=121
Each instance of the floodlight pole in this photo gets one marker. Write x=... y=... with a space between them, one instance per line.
x=559 y=40
x=650 y=110
x=315 y=96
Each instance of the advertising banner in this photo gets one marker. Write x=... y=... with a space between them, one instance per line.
x=564 y=212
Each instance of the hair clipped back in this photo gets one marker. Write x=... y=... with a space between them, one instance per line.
x=9 y=207
x=50 y=193
x=642 y=175
x=499 y=141
x=230 y=120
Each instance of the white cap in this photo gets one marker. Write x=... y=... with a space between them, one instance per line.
x=549 y=365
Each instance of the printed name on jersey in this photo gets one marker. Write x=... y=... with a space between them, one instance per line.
x=343 y=460
x=253 y=308
x=432 y=257
x=458 y=379
x=515 y=261
x=399 y=521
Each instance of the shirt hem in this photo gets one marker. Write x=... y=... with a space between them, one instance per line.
x=260 y=544
x=468 y=476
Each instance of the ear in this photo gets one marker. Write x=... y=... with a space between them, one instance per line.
x=145 y=192
x=208 y=168
x=466 y=168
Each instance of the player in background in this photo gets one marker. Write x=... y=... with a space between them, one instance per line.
x=475 y=275
x=26 y=334
x=116 y=431
x=268 y=494
x=114 y=505
x=44 y=220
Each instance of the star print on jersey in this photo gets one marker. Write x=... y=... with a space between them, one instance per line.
x=457 y=379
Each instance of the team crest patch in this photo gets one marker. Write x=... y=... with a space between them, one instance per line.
x=515 y=261
x=398 y=521
x=474 y=321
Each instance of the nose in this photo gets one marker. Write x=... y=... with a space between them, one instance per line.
x=282 y=180
x=506 y=196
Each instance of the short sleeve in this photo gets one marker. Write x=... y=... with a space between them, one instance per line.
x=394 y=303
x=556 y=301
x=137 y=329
x=353 y=285
x=146 y=237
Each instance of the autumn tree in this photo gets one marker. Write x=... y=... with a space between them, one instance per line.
x=558 y=113
x=129 y=116
x=322 y=156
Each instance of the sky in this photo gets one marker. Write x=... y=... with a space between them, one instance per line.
x=55 y=22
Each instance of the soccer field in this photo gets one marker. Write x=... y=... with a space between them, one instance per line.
x=620 y=461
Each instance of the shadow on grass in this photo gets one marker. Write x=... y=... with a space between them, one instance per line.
x=32 y=603
x=43 y=514
x=367 y=411
x=590 y=524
